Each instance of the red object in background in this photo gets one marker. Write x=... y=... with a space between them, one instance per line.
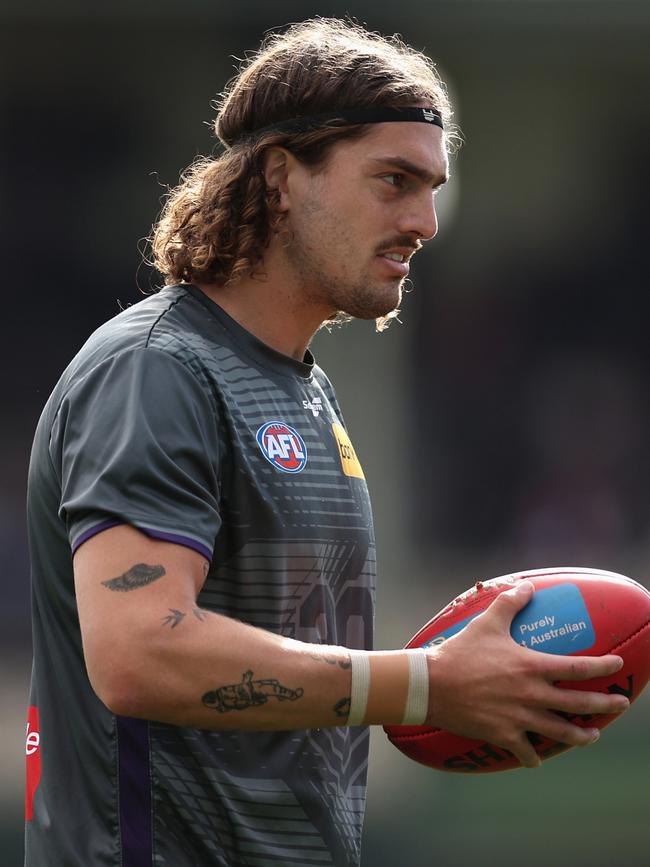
x=32 y=759
x=574 y=611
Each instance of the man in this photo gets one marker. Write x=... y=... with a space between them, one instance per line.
x=201 y=537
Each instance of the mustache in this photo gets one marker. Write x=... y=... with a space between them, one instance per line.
x=400 y=241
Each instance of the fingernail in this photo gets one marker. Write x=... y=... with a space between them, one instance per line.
x=595 y=734
x=620 y=664
x=525 y=587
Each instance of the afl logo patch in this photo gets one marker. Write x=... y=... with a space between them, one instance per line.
x=282 y=446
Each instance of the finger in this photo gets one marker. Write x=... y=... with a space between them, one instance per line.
x=581 y=667
x=555 y=728
x=509 y=603
x=585 y=703
x=523 y=750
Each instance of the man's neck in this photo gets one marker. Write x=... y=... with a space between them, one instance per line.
x=273 y=308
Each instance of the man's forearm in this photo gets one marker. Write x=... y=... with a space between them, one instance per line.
x=204 y=670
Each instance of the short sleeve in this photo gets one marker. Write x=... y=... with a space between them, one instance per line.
x=135 y=442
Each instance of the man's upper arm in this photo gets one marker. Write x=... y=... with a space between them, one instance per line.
x=136 y=449
x=129 y=588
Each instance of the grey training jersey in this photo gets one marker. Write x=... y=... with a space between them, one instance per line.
x=175 y=420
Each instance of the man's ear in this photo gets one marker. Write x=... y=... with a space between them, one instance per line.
x=277 y=165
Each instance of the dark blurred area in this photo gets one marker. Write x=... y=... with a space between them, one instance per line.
x=502 y=427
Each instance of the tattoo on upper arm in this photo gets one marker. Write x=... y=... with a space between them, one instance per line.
x=342 y=707
x=173 y=618
x=137 y=576
x=248 y=693
x=342 y=661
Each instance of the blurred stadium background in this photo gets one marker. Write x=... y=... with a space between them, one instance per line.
x=503 y=426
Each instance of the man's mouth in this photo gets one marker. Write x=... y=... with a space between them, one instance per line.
x=396 y=263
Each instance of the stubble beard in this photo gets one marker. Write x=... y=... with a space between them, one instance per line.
x=359 y=296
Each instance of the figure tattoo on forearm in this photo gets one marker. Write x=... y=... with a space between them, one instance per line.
x=249 y=693
x=137 y=576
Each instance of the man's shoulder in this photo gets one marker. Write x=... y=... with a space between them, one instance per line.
x=165 y=322
x=136 y=326
x=130 y=329
x=129 y=334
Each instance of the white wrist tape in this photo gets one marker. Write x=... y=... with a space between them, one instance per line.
x=381 y=679
x=360 y=687
x=417 y=703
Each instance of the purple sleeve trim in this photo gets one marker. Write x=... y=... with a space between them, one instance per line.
x=178 y=540
x=134 y=791
x=162 y=535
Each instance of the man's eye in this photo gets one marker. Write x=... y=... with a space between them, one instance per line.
x=395 y=180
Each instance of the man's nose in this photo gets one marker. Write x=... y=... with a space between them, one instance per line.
x=422 y=220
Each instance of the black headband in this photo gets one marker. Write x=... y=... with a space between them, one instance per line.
x=351 y=116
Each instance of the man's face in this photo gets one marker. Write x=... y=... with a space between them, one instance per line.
x=355 y=224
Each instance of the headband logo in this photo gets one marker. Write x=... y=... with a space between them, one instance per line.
x=428 y=115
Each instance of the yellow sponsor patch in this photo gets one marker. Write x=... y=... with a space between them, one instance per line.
x=349 y=460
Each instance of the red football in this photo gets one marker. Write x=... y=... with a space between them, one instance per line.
x=574 y=611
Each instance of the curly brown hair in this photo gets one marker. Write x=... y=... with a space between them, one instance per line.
x=216 y=224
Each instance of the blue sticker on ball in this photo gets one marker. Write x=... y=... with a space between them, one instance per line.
x=554 y=621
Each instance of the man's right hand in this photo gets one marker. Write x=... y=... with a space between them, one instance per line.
x=483 y=685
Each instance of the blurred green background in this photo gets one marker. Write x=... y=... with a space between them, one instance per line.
x=504 y=425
